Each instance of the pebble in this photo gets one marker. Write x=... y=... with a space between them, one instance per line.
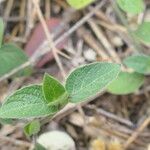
x=117 y=41
x=89 y=55
x=56 y=140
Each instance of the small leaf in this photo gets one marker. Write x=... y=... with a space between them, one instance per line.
x=140 y=63
x=1 y=31
x=11 y=57
x=32 y=128
x=86 y=81
x=78 y=4
x=131 y=6
x=126 y=83
x=26 y=103
x=143 y=32
x=53 y=90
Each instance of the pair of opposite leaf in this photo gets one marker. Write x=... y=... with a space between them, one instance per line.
x=48 y=98
x=82 y=83
x=129 y=82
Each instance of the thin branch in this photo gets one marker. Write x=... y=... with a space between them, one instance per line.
x=15 y=141
x=133 y=137
x=115 y=117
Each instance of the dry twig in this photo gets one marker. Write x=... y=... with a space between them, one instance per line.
x=133 y=137
x=49 y=37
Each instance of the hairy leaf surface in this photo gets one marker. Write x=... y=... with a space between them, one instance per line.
x=88 y=80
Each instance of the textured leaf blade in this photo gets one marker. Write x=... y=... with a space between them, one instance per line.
x=126 y=83
x=11 y=57
x=1 y=31
x=78 y=4
x=131 y=6
x=140 y=63
x=52 y=89
x=27 y=102
x=143 y=32
x=88 y=80
x=32 y=128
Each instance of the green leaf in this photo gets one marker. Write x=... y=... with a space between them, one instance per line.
x=39 y=147
x=78 y=4
x=53 y=90
x=1 y=31
x=143 y=32
x=86 y=81
x=32 y=128
x=126 y=83
x=140 y=63
x=11 y=57
x=131 y=6
x=26 y=103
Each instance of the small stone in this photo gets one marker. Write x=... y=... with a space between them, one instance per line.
x=56 y=140
x=89 y=55
x=117 y=41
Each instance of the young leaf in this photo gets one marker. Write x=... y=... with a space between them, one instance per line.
x=78 y=4
x=126 y=83
x=86 y=81
x=1 y=31
x=53 y=90
x=131 y=6
x=143 y=32
x=11 y=57
x=26 y=103
x=140 y=63
x=32 y=128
